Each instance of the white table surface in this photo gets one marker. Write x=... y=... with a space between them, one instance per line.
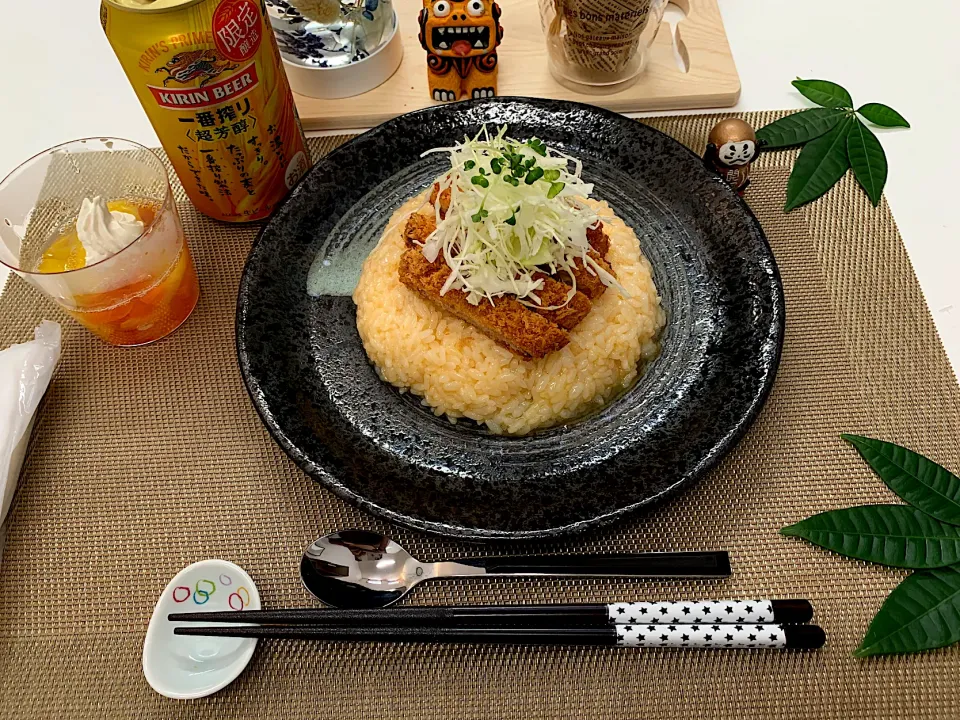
x=61 y=81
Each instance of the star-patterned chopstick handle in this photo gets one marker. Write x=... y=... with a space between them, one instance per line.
x=710 y=611
x=757 y=637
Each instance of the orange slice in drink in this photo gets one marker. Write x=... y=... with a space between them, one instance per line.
x=68 y=253
x=64 y=253
x=77 y=258
x=125 y=206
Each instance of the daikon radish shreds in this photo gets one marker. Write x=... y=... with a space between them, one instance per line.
x=515 y=212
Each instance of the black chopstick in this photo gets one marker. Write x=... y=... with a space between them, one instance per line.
x=698 y=564
x=759 y=636
x=557 y=615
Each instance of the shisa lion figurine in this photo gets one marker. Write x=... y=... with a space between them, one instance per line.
x=461 y=39
x=731 y=147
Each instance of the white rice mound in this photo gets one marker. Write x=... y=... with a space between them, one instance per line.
x=460 y=372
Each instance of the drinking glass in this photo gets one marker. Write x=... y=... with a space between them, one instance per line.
x=134 y=296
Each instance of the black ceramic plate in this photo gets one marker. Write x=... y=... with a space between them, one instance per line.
x=319 y=396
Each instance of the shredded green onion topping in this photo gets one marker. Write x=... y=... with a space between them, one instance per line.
x=515 y=211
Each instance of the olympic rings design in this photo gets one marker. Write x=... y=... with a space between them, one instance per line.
x=204 y=588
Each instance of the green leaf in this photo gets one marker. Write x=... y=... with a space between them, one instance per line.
x=922 y=613
x=533 y=175
x=824 y=93
x=918 y=480
x=799 y=127
x=820 y=164
x=894 y=535
x=537 y=145
x=868 y=160
x=555 y=189
x=883 y=115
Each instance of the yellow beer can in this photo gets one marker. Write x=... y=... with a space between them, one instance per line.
x=208 y=75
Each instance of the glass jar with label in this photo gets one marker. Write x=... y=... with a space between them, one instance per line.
x=599 y=45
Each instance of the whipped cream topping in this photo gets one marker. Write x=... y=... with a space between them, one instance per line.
x=104 y=232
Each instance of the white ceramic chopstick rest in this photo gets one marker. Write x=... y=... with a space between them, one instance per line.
x=192 y=667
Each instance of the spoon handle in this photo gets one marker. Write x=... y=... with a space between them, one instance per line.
x=665 y=564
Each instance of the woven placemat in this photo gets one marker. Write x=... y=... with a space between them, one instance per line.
x=146 y=460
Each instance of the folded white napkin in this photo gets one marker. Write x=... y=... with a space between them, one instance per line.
x=25 y=372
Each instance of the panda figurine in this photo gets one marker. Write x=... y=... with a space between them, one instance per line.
x=731 y=147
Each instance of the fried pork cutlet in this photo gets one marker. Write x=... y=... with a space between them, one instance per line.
x=418 y=228
x=507 y=323
x=598 y=239
x=444 y=199
x=588 y=282
x=552 y=292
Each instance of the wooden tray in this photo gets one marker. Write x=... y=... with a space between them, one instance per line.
x=711 y=79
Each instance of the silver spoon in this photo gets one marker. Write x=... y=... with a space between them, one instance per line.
x=364 y=569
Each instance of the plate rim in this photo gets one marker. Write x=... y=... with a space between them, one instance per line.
x=465 y=532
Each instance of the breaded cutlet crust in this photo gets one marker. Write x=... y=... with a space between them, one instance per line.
x=598 y=239
x=527 y=330
x=508 y=323
x=587 y=280
x=552 y=292
x=444 y=199
x=418 y=228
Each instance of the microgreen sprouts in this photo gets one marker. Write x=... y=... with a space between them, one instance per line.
x=500 y=234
